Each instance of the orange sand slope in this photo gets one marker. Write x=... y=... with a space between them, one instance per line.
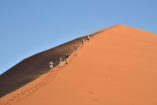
x=117 y=67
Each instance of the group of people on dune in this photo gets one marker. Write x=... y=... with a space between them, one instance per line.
x=66 y=56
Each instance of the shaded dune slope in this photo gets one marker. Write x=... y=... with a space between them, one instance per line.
x=34 y=66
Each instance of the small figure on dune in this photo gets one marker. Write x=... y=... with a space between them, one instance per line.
x=75 y=51
x=60 y=61
x=88 y=37
x=51 y=65
x=66 y=58
x=83 y=41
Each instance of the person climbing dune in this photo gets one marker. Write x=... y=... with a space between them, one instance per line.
x=75 y=51
x=88 y=37
x=82 y=41
x=51 y=65
x=60 y=61
x=66 y=58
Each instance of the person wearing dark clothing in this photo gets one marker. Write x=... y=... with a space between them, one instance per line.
x=66 y=58
x=83 y=41
x=75 y=51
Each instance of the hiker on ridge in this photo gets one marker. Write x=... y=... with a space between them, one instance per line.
x=75 y=51
x=88 y=37
x=60 y=61
x=83 y=41
x=51 y=65
x=66 y=58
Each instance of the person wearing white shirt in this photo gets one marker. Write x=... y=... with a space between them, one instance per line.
x=51 y=65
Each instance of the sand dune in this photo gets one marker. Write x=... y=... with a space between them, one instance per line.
x=116 y=67
x=34 y=66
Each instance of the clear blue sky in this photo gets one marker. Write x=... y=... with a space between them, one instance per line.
x=31 y=26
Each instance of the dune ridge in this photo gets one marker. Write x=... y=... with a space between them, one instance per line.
x=38 y=65
x=34 y=66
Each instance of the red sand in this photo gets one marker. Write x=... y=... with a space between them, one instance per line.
x=117 y=67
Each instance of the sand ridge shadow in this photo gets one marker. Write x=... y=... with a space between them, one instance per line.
x=34 y=66
x=43 y=82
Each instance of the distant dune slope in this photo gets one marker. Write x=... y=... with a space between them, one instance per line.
x=117 y=67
